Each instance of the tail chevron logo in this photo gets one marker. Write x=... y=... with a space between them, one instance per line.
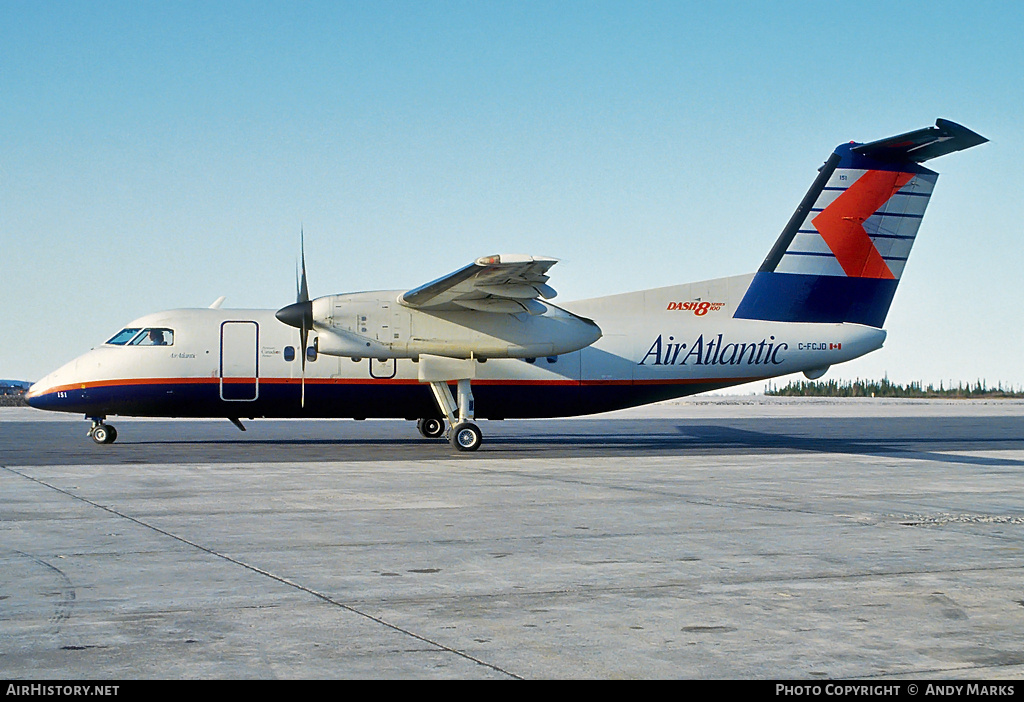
x=842 y=253
x=841 y=224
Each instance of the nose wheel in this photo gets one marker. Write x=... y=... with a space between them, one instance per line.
x=102 y=433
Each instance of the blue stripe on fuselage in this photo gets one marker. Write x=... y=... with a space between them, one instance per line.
x=402 y=400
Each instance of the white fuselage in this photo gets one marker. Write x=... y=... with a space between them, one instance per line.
x=654 y=344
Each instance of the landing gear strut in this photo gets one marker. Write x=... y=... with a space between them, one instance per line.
x=102 y=433
x=463 y=435
x=438 y=371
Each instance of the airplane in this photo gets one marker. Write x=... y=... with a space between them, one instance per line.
x=489 y=329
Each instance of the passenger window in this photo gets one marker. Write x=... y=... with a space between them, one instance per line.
x=123 y=336
x=154 y=337
x=289 y=353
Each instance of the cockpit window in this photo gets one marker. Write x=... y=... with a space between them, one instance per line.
x=154 y=337
x=123 y=336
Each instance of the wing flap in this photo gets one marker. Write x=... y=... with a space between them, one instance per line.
x=501 y=284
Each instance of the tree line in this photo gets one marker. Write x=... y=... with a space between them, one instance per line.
x=885 y=388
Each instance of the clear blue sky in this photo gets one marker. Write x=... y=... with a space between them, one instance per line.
x=161 y=154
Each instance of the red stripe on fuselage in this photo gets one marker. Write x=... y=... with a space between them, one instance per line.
x=129 y=382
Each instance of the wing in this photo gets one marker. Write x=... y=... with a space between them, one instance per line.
x=502 y=284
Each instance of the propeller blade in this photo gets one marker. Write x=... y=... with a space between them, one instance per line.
x=303 y=295
x=307 y=319
x=300 y=313
x=304 y=333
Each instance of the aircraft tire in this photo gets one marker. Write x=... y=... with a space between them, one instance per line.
x=466 y=436
x=430 y=427
x=104 y=434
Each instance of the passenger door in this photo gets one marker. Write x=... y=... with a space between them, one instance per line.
x=239 y=361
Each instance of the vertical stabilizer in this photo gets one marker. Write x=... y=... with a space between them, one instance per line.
x=841 y=255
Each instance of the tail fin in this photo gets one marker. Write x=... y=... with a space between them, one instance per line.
x=842 y=253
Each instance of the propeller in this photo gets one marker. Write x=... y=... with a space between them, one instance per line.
x=300 y=313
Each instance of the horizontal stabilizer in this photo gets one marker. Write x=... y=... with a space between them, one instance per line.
x=922 y=144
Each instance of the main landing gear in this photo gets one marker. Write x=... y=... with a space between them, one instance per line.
x=438 y=371
x=464 y=435
x=430 y=427
x=102 y=433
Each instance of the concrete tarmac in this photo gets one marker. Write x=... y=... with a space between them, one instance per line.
x=741 y=537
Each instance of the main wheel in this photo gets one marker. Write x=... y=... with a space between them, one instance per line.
x=104 y=434
x=430 y=427
x=466 y=437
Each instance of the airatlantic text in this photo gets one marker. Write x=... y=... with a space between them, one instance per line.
x=714 y=351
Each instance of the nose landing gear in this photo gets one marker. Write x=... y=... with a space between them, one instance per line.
x=102 y=433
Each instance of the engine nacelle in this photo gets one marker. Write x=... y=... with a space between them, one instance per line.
x=376 y=325
x=337 y=342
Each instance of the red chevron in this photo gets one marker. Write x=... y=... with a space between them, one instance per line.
x=841 y=224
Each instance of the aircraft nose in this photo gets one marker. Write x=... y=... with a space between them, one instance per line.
x=30 y=395
x=34 y=395
x=47 y=392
